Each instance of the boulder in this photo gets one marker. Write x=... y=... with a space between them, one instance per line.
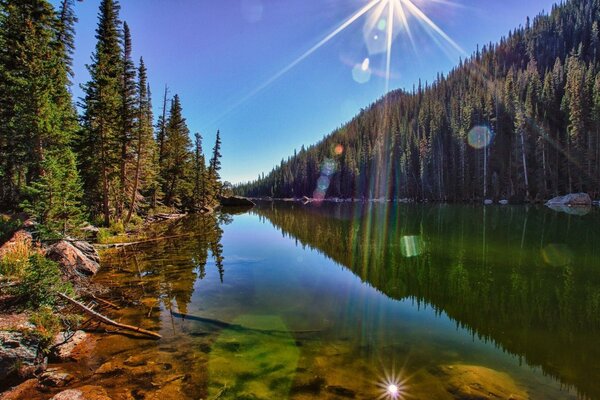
x=573 y=199
x=83 y=393
x=21 y=391
x=474 y=382
x=65 y=346
x=54 y=377
x=20 y=355
x=488 y=202
x=75 y=257
x=236 y=201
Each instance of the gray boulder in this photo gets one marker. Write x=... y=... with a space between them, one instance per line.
x=573 y=199
x=20 y=355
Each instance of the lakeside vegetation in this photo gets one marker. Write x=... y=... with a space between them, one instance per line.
x=518 y=120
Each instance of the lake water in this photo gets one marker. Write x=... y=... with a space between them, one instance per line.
x=335 y=301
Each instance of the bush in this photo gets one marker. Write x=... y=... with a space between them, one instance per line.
x=47 y=325
x=16 y=261
x=117 y=228
x=41 y=281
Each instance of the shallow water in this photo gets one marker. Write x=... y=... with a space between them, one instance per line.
x=342 y=300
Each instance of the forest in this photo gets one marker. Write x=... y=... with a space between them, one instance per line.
x=519 y=120
x=103 y=159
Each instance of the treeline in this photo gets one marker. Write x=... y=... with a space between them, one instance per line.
x=520 y=119
x=112 y=163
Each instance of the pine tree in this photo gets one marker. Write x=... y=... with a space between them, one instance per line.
x=36 y=112
x=100 y=143
x=199 y=174
x=66 y=32
x=176 y=156
x=214 y=179
x=128 y=121
x=144 y=147
x=55 y=200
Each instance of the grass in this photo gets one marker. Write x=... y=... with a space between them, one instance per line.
x=15 y=261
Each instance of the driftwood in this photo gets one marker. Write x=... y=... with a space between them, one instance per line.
x=227 y=325
x=97 y=316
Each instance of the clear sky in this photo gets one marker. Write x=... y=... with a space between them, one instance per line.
x=216 y=54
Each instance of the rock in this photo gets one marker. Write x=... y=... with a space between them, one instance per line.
x=20 y=391
x=473 y=382
x=572 y=210
x=55 y=377
x=109 y=368
x=64 y=347
x=573 y=199
x=20 y=355
x=236 y=201
x=504 y=202
x=488 y=202
x=75 y=257
x=83 y=393
x=312 y=385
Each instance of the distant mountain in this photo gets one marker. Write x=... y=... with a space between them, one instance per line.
x=520 y=119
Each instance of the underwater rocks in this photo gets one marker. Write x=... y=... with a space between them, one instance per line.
x=474 y=382
x=83 y=393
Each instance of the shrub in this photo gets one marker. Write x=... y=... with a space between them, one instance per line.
x=41 y=281
x=16 y=260
x=47 y=325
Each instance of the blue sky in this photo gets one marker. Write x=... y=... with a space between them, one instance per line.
x=214 y=54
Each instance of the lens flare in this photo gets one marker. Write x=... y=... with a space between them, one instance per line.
x=393 y=386
x=480 y=137
x=339 y=150
x=411 y=246
x=327 y=170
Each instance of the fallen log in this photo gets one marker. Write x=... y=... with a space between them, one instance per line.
x=97 y=316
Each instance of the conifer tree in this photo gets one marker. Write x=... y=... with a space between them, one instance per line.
x=36 y=112
x=214 y=179
x=55 y=199
x=144 y=148
x=128 y=121
x=176 y=156
x=199 y=174
x=100 y=144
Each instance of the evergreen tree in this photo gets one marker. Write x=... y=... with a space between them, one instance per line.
x=214 y=179
x=144 y=147
x=199 y=174
x=100 y=144
x=176 y=160
x=36 y=112
x=55 y=200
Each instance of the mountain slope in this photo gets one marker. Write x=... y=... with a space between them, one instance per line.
x=519 y=119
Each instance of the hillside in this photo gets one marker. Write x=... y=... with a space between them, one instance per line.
x=519 y=119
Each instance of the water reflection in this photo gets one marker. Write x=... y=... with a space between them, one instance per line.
x=250 y=311
x=526 y=279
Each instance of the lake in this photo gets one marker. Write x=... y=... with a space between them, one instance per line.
x=353 y=300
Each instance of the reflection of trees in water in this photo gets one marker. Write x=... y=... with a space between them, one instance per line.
x=483 y=269
x=168 y=269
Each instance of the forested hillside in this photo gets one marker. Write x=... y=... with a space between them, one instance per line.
x=520 y=119
x=111 y=163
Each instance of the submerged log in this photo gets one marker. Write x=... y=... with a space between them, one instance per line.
x=227 y=325
x=108 y=321
x=158 y=239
